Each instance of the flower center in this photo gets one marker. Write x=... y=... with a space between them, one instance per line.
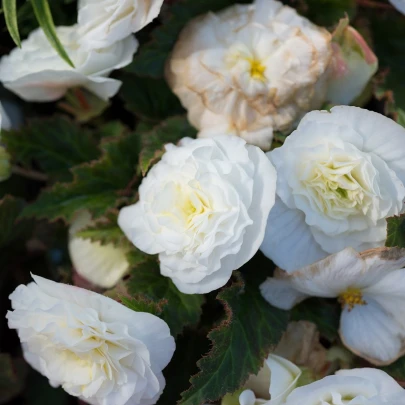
x=336 y=187
x=352 y=297
x=257 y=70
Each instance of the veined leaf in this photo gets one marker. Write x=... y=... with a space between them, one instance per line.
x=145 y=279
x=44 y=17
x=98 y=186
x=153 y=142
x=56 y=144
x=251 y=329
x=10 y=15
x=396 y=232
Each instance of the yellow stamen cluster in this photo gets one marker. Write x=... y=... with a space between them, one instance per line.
x=257 y=70
x=351 y=298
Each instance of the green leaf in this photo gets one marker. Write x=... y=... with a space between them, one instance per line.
x=106 y=231
x=12 y=376
x=44 y=17
x=149 y=99
x=328 y=12
x=141 y=304
x=10 y=15
x=145 y=279
x=396 y=232
x=153 y=142
x=151 y=58
x=10 y=209
x=56 y=144
x=251 y=329
x=98 y=186
x=325 y=314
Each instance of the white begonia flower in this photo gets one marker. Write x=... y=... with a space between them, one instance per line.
x=364 y=386
x=371 y=289
x=250 y=70
x=353 y=65
x=203 y=208
x=399 y=5
x=102 y=265
x=277 y=378
x=35 y=72
x=94 y=347
x=340 y=175
x=105 y=22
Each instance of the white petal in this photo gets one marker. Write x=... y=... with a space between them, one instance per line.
x=399 y=4
x=381 y=135
x=389 y=292
x=385 y=384
x=263 y=199
x=247 y=398
x=288 y=241
x=331 y=276
x=349 y=387
x=370 y=332
x=281 y=293
x=284 y=378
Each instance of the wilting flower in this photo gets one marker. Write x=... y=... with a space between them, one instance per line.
x=371 y=289
x=399 y=5
x=353 y=65
x=102 y=265
x=250 y=70
x=363 y=386
x=203 y=208
x=340 y=175
x=35 y=72
x=277 y=378
x=94 y=347
x=105 y=22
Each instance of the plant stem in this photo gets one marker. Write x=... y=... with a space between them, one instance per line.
x=30 y=174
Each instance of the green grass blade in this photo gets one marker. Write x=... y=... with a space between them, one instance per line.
x=44 y=17
x=10 y=15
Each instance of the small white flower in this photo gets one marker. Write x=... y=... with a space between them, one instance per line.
x=102 y=265
x=371 y=289
x=35 y=72
x=203 y=208
x=364 y=386
x=340 y=175
x=277 y=378
x=105 y=22
x=94 y=347
x=353 y=65
x=253 y=69
x=399 y=5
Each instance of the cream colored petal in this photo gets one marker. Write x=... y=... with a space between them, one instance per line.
x=102 y=265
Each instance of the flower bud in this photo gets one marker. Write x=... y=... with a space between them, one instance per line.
x=353 y=65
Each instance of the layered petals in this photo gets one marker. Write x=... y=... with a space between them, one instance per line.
x=203 y=208
x=250 y=70
x=94 y=347
x=35 y=72
x=340 y=176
